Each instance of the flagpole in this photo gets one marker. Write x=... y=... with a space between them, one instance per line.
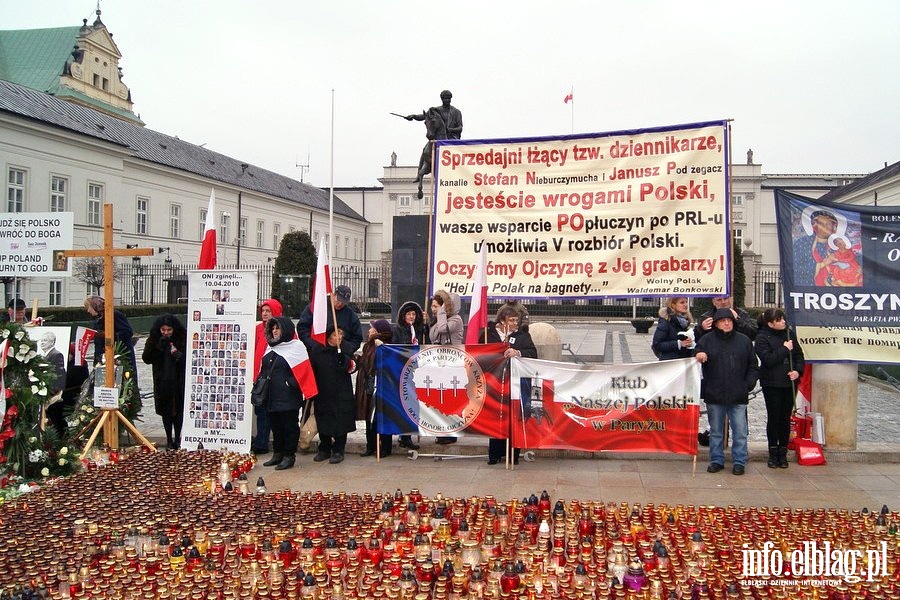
x=331 y=184
x=331 y=223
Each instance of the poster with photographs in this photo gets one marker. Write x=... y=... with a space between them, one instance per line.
x=221 y=328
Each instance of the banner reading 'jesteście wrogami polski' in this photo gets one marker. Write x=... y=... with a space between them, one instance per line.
x=633 y=213
x=840 y=265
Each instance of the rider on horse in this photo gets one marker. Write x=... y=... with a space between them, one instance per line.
x=442 y=122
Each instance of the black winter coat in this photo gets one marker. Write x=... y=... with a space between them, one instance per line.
x=730 y=372
x=335 y=405
x=666 y=343
x=168 y=366
x=520 y=340
x=283 y=393
x=775 y=360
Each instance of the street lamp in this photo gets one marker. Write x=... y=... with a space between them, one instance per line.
x=135 y=274
x=168 y=260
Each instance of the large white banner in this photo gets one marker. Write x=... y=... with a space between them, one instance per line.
x=32 y=244
x=636 y=213
x=221 y=329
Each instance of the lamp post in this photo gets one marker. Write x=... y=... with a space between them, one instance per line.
x=240 y=199
x=135 y=273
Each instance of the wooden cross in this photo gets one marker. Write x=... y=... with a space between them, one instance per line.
x=109 y=419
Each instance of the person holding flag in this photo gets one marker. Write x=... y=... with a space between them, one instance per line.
x=511 y=328
x=326 y=307
x=291 y=380
x=781 y=366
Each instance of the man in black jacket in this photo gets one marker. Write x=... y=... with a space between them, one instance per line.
x=729 y=374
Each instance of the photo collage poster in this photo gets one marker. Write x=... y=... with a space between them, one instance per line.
x=221 y=328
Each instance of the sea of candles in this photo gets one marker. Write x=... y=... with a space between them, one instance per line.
x=173 y=525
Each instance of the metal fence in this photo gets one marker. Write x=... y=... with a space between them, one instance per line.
x=370 y=286
x=767 y=290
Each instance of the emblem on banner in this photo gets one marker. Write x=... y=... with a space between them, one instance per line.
x=443 y=389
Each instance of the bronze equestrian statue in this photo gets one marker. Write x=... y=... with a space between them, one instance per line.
x=442 y=122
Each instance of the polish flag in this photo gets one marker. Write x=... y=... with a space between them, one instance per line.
x=570 y=97
x=804 y=391
x=84 y=337
x=321 y=293
x=208 y=249
x=478 y=310
x=294 y=352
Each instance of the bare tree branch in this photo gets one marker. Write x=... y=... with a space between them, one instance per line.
x=89 y=270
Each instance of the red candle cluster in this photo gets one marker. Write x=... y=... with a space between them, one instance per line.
x=189 y=525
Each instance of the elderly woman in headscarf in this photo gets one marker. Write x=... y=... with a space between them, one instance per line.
x=123 y=333
x=165 y=351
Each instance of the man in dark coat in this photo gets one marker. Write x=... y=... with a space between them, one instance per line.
x=729 y=374
x=335 y=405
x=506 y=329
x=346 y=321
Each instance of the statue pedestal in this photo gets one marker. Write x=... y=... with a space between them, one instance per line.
x=834 y=394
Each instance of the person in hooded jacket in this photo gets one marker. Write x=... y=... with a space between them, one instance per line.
x=781 y=365
x=507 y=328
x=409 y=330
x=445 y=325
x=729 y=373
x=380 y=332
x=674 y=318
x=291 y=378
x=268 y=309
x=336 y=405
x=445 y=328
x=165 y=351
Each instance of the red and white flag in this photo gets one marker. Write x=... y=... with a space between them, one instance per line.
x=570 y=97
x=294 y=352
x=321 y=293
x=84 y=337
x=803 y=405
x=478 y=310
x=208 y=249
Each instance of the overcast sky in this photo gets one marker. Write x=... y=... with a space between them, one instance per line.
x=811 y=85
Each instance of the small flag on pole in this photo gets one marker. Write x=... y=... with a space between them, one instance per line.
x=478 y=310
x=321 y=292
x=208 y=248
x=570 y=97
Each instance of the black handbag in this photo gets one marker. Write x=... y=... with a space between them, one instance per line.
x=260 y=392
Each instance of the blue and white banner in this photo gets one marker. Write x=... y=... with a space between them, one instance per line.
x=840 y=265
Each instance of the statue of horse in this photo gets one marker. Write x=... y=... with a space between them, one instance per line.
x=435 y=129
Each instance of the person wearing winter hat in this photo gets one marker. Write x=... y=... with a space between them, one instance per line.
x=409 y=330
x=380 y=332
x=730 y=372
x=268 y=309
x=347 y=321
